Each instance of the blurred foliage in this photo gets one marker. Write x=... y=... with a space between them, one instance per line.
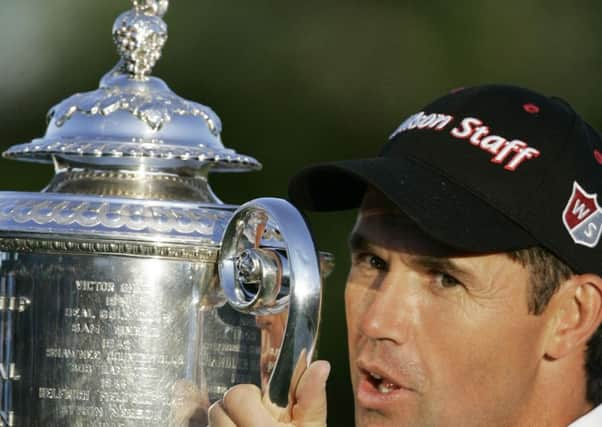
x=301 y=82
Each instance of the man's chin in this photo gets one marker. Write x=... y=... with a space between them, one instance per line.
x=404 y=414
x=374 y=420
x=371 y=418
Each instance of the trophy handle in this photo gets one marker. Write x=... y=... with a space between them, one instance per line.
x=265 y=280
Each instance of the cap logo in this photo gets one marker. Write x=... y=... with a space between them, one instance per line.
x=421 y=120
x=510 y=153
x=582 y=217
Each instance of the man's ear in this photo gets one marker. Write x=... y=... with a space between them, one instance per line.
x=577 y=314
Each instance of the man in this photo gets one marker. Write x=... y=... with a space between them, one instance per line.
x=474 y=296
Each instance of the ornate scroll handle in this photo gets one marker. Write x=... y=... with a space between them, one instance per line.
x=253 y=279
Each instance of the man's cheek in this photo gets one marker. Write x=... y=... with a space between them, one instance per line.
x=355 y=312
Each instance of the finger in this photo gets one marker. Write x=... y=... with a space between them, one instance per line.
x=243 y=404
x=218 y=416
x=187 y=401
x=310 y=396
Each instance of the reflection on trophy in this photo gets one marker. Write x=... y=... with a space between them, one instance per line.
x=130 y=295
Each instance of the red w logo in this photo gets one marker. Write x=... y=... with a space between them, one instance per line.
x=582 y=217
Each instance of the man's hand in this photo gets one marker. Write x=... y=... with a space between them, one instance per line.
x=243 y=405
x=188 y=405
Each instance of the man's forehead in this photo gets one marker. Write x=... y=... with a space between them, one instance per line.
x=378 y=215
x=381 y=222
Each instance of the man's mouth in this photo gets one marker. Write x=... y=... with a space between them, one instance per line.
x=378 y=389
x=382 y=385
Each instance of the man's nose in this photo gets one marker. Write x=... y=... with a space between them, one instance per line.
x=391 y=310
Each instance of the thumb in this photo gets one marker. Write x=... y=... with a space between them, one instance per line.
x=309 y=409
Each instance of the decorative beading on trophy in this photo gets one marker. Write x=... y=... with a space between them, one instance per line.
x=153 y=109
x=78 y=215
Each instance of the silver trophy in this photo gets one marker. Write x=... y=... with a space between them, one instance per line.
x=130 y=295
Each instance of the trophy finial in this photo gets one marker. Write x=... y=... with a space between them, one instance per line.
x=133 y=119
x=151 y=7
x=140 y=34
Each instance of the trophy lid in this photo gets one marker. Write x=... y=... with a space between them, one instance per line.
x=134 y=119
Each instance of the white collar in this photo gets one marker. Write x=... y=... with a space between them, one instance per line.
x=592 y=419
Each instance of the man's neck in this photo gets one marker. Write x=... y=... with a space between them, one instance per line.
x=559 y=399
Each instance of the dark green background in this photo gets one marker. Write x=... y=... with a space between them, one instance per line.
x=301 y=82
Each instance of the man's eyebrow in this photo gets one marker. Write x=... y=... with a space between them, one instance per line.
x=433 y=263
x=426 y=262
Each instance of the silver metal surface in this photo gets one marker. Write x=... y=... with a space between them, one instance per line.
x=109 y=337
x=258 y=278
x=112 y=313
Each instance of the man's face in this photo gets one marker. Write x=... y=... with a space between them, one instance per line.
x=436 y=338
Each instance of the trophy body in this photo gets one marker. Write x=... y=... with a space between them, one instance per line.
x=130 y=295
x=107 y=348
x=98 y=329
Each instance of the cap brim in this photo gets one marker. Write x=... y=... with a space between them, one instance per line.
x=444 y=210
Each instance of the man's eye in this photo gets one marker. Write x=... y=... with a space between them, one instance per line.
x=371 y=260
x=445 y=280
x=378 y=263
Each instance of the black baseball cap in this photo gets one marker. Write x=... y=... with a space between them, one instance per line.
x=483 y=169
